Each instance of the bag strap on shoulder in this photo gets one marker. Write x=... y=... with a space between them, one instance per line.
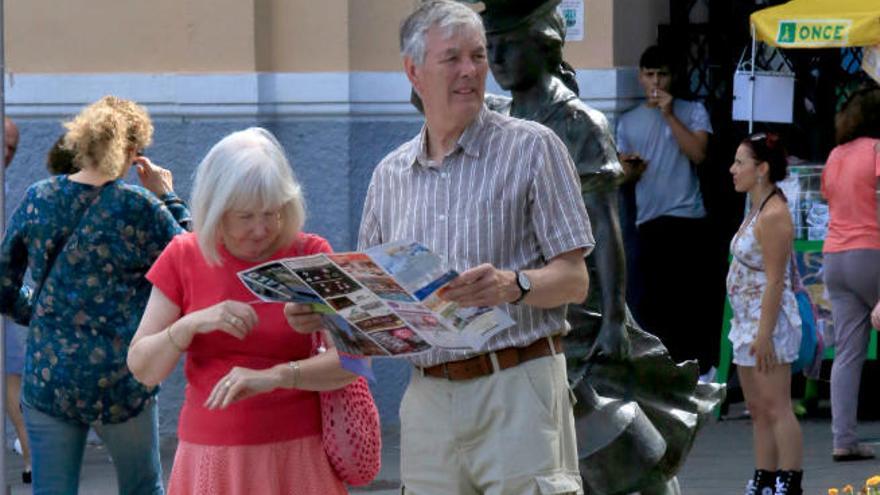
x=53 y=256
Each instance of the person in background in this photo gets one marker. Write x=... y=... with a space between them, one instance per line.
x=851 y=256
x=251 y=419
x=10 y=140
x=766 y=327
x=661 y=142
x=59 y=160
x=14 y=344
x=88 y=239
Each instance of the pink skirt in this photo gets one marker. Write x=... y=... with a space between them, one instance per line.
x=294 y=467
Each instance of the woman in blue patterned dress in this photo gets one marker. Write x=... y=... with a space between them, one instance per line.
x=88 y=239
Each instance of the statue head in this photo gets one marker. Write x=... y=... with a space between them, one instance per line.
x=524 y=42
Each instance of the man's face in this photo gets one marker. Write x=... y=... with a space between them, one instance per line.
x=452 y=80
x=516 y=61
x=651 y=79
x=11 y=141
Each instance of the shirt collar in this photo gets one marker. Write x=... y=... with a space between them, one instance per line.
x=468 y=142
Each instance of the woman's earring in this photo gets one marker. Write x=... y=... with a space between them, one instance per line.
x=761 y=179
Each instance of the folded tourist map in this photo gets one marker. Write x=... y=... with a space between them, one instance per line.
x=381 y=302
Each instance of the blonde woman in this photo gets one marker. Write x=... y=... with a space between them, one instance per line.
x=250 y=421
x=88 y=239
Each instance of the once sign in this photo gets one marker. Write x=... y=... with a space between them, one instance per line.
x=828 y=32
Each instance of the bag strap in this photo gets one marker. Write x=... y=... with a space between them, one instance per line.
x=793 y=273
x=797 y=284
x=54 y=255
x=774 y=192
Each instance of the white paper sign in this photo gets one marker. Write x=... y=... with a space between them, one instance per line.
x=573 y=13
x=871 y=62
x=773 y=93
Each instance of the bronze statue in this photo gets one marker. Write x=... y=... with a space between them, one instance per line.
x=638 y=412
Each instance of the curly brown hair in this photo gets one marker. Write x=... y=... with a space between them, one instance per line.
x=859 y=116
x=105 y=132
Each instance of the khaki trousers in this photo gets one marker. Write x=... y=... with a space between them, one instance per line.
x=508 y=433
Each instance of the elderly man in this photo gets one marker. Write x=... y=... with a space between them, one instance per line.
x=499 y=199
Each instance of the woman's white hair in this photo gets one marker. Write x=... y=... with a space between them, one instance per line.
x=244 y=170
x=446 y=15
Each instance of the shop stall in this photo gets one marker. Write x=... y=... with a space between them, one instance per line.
x=805 y=24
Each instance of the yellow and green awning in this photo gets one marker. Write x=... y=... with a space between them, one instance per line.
x=819 y=23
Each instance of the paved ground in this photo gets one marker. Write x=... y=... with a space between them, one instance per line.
x=720 y=462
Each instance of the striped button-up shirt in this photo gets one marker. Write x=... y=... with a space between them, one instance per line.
x=508 y=195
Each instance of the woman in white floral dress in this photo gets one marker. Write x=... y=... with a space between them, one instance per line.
x=766 y=326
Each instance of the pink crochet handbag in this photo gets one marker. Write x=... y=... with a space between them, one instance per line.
x=351 y=433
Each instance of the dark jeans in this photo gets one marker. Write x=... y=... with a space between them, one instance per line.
x=680 y=300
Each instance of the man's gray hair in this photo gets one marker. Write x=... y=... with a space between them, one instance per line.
x=447 y=15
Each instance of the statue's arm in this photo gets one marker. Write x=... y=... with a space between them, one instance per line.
x=611 y=267
x=592 y=148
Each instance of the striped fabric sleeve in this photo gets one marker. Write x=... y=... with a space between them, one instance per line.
x=369 y=234
x=558 y=212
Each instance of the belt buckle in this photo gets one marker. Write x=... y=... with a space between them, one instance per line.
x=445 y=368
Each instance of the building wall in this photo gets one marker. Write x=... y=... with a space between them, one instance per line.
x=635 y=28
x=325 y=77
x=45 y=36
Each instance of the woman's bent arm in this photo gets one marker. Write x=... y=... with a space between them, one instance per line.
x=774 y=232
x=152 y=354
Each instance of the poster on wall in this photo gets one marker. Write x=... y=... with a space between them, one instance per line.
x=573 y=13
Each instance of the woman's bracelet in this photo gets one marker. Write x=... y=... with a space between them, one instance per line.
x=294 y=367
x=171 y=339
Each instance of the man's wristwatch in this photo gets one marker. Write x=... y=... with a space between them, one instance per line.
x=524 y=284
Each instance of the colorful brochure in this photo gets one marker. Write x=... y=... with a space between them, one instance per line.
x=381 y=302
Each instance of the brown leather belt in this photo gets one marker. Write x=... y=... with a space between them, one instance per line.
x=481 y=365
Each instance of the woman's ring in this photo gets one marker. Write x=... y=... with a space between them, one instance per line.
x=227 y=383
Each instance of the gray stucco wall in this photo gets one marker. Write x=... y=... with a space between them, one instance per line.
x=333 y=158
x=335 y=127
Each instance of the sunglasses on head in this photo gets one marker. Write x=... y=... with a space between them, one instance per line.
x=768 y=137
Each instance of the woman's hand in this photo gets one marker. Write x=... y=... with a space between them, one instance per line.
x=233 y=317
x=241 y=383
x=875 y=316
x=303 y=318
x=156 y=179
x=764 y=352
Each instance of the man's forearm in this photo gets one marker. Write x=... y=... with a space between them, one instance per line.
x=562 y=281
x=692 y=143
